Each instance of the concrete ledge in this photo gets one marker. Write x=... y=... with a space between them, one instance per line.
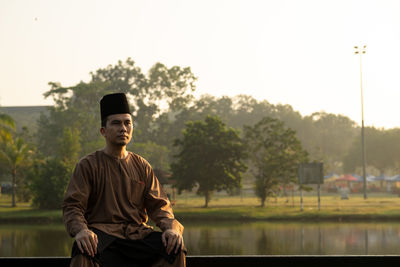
x=240 y=261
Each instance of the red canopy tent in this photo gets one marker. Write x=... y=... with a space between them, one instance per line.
x=346 y=181
x=347 y=177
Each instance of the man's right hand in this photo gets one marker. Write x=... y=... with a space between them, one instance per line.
x=87 y=242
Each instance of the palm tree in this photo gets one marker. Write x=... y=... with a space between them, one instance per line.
x=7 y=127
x=14 y=153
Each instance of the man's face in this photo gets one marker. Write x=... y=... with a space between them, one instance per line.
x=118 y=129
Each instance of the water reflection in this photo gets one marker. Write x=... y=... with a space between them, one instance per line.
x=230 y=238
x=22 y=241
x=293 y=239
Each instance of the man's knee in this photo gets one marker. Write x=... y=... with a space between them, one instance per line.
x=81 y=260
x=180 y=261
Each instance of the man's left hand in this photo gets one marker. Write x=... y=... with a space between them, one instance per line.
x=172 y=239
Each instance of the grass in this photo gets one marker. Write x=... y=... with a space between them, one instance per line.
x=333 y=208
x=25 y=213
x=223 y=207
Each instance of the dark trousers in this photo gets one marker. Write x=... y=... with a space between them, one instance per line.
x=116 y=252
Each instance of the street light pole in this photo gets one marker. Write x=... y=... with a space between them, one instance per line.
x=360 y=51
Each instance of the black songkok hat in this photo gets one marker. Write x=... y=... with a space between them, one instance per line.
x=113 y=104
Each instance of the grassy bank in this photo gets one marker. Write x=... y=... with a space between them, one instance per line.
x=189 y=207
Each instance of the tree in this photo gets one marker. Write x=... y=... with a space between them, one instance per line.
x=76 y=110
x=328 y=138
x=14 y=154
x=211 y=157
x=49 y=176
x=170 y=125
x=382 y=150
x=275 y=153
x=49 y=179
x=69 y=147
x=15 y=157
x=7 y=127
x=77 y=107
x=162 y=86
x=155 y=154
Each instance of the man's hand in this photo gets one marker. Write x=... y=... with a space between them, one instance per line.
x=87 y=242
x=172 y=239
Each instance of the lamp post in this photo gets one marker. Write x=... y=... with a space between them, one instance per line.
x=360 y=51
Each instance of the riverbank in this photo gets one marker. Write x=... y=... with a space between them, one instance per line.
x=218 y=214
x=189 y=208
x=283 y=214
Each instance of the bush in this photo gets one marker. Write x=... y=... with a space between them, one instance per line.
x=49 y=180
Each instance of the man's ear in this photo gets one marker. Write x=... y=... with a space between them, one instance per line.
x=103 y=131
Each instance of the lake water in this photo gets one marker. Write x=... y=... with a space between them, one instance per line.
x=212 y=238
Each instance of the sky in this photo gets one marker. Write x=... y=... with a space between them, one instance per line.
x=296 y=52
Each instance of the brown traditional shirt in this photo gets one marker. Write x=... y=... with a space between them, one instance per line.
x=116 y=196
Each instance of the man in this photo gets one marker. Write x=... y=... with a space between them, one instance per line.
x=109 y=198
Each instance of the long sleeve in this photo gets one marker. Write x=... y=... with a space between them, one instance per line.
x=158 y=205
x=76 y=200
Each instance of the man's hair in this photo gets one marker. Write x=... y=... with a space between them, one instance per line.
x=104 y=122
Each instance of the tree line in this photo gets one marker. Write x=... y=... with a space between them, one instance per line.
x=207 y=143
